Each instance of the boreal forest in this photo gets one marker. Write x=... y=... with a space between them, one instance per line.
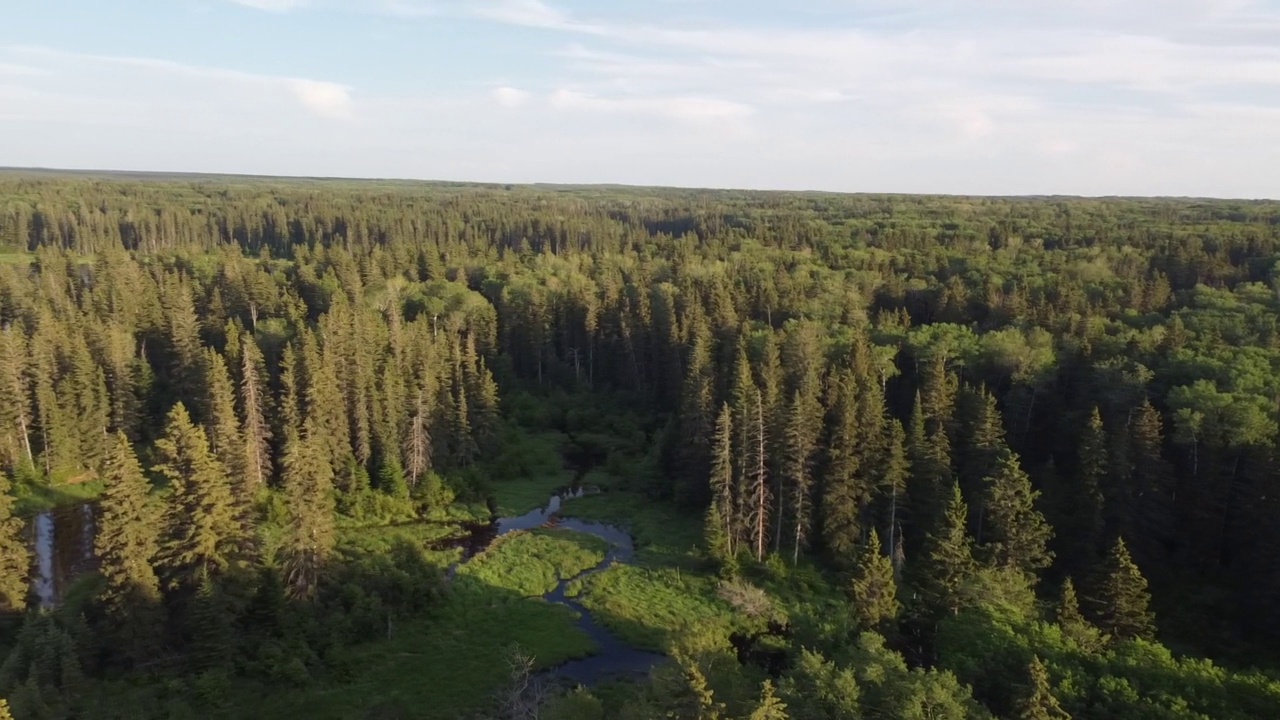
x=335 y=449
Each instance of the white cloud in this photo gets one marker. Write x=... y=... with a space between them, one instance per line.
x=323 y=98
x=697 y=110
x=276 y=6
x=509 y=97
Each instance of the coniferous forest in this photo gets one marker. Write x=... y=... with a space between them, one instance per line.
x=334 y=449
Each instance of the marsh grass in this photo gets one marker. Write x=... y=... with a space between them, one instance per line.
x=532 y=563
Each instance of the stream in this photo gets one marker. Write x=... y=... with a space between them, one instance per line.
x=614 y=658
x=62 y=550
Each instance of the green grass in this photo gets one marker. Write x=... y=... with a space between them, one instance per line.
x=648 y=607
x=34 y=498
x=533 y=563
x=664 y=535
x=380 y=540
x=519 y=496
x=8 y=257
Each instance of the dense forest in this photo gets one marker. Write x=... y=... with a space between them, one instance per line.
x=879 y=456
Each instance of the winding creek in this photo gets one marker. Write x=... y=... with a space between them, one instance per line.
x=613 y=658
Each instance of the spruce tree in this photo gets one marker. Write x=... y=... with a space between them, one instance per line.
x=1120 y=599
x=1017 y=533
x=801 y=436
x=770 y=706
x=894 y=473
x=16 y=418
x=1084 y=504
x=201 y=532
x=126 y=543
x=720 y=521
x=1072 y=621
x=254 y=428
x=15 y=557
x=872 y=588
x=947 y=562
x=1036 y=701
x=4 y=710
x=308 y=486
x=846 y=492
x=223 y=427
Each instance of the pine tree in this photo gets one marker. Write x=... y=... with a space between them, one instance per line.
x=1036 y=702
x=1120 y=599
x=720 y=522
x=872 y=588
x=4 y=710
x=15 y=557
x=1018 y=534
x=308 y=486
x=126 y=542
x=255 y=431
x=201 y=531
x=948 y=560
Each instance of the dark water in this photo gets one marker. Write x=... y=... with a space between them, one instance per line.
x=613 y=658
x=62 y=550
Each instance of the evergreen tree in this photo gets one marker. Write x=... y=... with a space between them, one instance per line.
x=4 y=710
x=872 y=588
x=223 y=427
x=201 y=532
x=846 y=490
x=1148 y=500
x=697 y=418
x=127 y=539
x=759 y=497
x=417 y=441
x=947 y=562
x=1036 y=702
x=15 y=558
x=308 y=486
x=1018 y=535
x=1084 y=504
x=894 y=473
x=255 y=431
x=15 y=413
x=720 y=522
x=1120 y=599
x=770 y=706
x=1072 y=621
x=801 y=437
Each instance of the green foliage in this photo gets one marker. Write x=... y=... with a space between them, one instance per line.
x=15 y=558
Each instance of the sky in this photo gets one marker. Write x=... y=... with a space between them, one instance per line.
x=994 y=97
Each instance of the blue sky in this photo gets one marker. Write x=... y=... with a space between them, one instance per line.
x=1092 y=97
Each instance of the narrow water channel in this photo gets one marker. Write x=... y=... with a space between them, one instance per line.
x=61 y=549
x=614 y=658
